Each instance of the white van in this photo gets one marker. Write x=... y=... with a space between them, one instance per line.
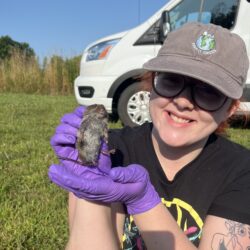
x=110 y=66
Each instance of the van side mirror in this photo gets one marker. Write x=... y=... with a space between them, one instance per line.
x=165 y=26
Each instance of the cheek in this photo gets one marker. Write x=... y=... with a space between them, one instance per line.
x=209 y=125
x=153 y=110
x=222 y=114
x=211 y=121
x=214 y=119
x=156 y=105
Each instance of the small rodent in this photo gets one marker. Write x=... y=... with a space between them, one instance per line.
x=92 y=132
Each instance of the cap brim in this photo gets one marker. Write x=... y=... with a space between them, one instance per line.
x=204 y=71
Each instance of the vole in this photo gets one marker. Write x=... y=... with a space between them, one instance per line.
x=92 y=132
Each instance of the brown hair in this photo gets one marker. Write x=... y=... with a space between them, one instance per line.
x=146 y=80
x=222 y=128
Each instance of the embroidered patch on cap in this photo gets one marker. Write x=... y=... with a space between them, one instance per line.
x=205 y=44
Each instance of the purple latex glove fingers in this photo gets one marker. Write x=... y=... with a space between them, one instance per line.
x=71 y=122
x=63 y=142
x=73 y=162
x=90 y=185
x=72 y=119
x=132 y=173
x=59 y=175
x=64 y=128
x=71 y=153
x=64 y=146
x=79 y=111
x=66 y=154
x=62 y=139
x=69 y=157
x=143 y=196
x=70 y=177
x=80 y=182
x=62 y=177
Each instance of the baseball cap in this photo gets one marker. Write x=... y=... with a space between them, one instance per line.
x=206 y=52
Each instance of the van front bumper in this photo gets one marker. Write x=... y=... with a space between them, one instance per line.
x=94 y=90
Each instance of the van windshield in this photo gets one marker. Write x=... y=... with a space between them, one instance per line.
x=222 y=13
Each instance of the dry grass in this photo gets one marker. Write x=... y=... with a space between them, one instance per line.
x=21 y=75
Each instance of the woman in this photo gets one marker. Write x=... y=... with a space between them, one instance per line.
x=177 y=162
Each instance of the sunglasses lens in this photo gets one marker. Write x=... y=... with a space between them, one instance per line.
x=208 y=98
x=168 y=85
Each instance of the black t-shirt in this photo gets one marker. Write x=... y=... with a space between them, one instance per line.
x=217 y=182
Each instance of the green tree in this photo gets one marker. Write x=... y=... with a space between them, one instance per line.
x=7 y=46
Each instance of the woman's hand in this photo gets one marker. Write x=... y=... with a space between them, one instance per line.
x=64 y=139
x=130 y=185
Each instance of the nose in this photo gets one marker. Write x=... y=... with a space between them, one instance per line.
x=184 y=100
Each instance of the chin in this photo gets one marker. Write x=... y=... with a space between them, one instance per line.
x=174 y=140
x=179 y=140
x=176 y=144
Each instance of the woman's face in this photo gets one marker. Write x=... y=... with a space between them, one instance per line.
x=180 y=122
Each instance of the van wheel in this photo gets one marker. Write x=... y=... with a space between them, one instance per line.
x=133 y=105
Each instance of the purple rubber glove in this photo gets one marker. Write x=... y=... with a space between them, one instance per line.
x=64 y=139
x=129 y=185
x=76 y=169
x=74 y=119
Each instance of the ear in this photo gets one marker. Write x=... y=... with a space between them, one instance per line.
x=233 y=107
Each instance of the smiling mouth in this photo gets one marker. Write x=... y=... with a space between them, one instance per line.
x=178 y=119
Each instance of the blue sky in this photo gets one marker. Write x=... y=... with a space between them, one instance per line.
x=66 y=27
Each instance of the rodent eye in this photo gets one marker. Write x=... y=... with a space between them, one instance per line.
x=241 y=231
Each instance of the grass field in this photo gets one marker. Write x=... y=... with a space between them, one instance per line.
x=33 y=212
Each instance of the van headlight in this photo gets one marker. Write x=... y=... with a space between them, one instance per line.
x=100 y=50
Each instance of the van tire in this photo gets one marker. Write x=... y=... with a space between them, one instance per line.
x=133 y=105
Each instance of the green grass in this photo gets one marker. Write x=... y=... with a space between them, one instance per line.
x=33 y=212
x=241 y=137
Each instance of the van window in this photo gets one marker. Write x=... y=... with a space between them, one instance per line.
x=185 y=11
x=151 y=36
x=222 y=13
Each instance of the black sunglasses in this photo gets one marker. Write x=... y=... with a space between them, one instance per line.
x=206 y=97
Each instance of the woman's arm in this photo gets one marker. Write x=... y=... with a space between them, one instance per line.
x=160 y=231
x=71 y=209
x=221 y=233
x=91 y=227
x=117 y=216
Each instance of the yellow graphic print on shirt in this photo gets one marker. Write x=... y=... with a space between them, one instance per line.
x=186 y=217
